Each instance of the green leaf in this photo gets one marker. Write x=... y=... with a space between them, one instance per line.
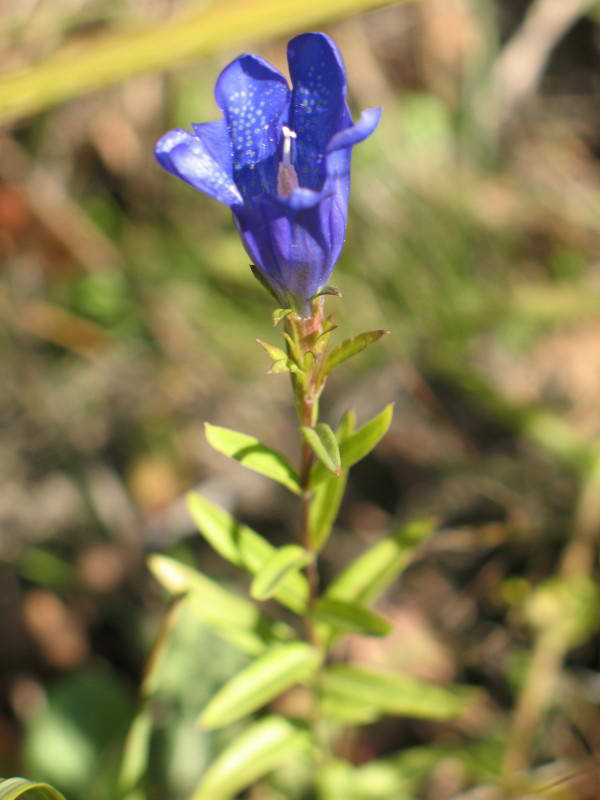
x=346 y=617
x=281 y=361
x=358 y=445
x=258 y=684
x=365 y=578
x=262 y=747
x=12 y=788
x=234 y=618
x=245 y=548
x=135 y=752
x=253 y=454
x=324 y=445
x=395 y=694
x=327 y=496
x=350 y=347
x=284 y=560
x=337 y=708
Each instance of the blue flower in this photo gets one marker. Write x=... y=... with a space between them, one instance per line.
x=280 y=160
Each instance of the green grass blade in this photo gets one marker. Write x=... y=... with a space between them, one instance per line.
x=12 y=788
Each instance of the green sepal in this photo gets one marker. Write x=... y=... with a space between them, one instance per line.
x=279 y=314
x=365 y=578
x=277 y=670
x=322 y=441
x=350 y=347
x=396 y=694
x=284 y=560
x=327 y=291
x=358 y=445
x=261 y=748
x=13 y=788
x=327 y=496
x=345 y=617
x=245 y=548
x=252 y=453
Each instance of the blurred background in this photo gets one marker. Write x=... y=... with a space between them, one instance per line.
x=128 y=315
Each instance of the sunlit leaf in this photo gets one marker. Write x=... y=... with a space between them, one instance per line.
x=135 y=752
x=12 y=788
x=322 y=441
x=345 y=617
x=232 y=617
x=245 y=548
x=260 y=682
x=359 y=444
x=327 y=496
x=283 y=561
x=264 y=746
x=253 y=454
x=350 y=347
x=395 y=694
x=365 y=578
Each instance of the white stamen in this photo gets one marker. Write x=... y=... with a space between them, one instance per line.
x=288 y=135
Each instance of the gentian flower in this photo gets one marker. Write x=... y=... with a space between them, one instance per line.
x=280 y=160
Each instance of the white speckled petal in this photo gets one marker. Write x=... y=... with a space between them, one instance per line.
x=254 y=98
x=187 y=156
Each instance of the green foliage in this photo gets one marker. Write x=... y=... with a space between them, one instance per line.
x=365 y=578
x=283 y=561
x=327 y=495
x=262 y=747
x=234 y=618
x=358 y=444
x=345 y=617
x=565 y=609
x=351 y=347
x=277 y=670
x=323 y=443
x=245 y=548
x=253 y=454
x=12 y=788
x=393 y=693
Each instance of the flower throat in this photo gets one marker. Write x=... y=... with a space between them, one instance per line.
x=287 y=178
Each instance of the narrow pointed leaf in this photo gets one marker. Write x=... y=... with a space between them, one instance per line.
x=13 y=788
x=276 y=353
x=233 y=618
x=323 y=443
x=327 y=495
x=337 y=708
x=263 y=747
x=283 y=561
x=396 y=694
x=281 y=361
x=365 y=578
x=350 y=347
x=266 y=678
x=245 y=548
x=250 y=452
x=135 y=752
x=358 y=445
x=345 y=617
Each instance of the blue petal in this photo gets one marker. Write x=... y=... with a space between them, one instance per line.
x=254 y=98
x=319 y=108
x=204 y=166
x=348 y=137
